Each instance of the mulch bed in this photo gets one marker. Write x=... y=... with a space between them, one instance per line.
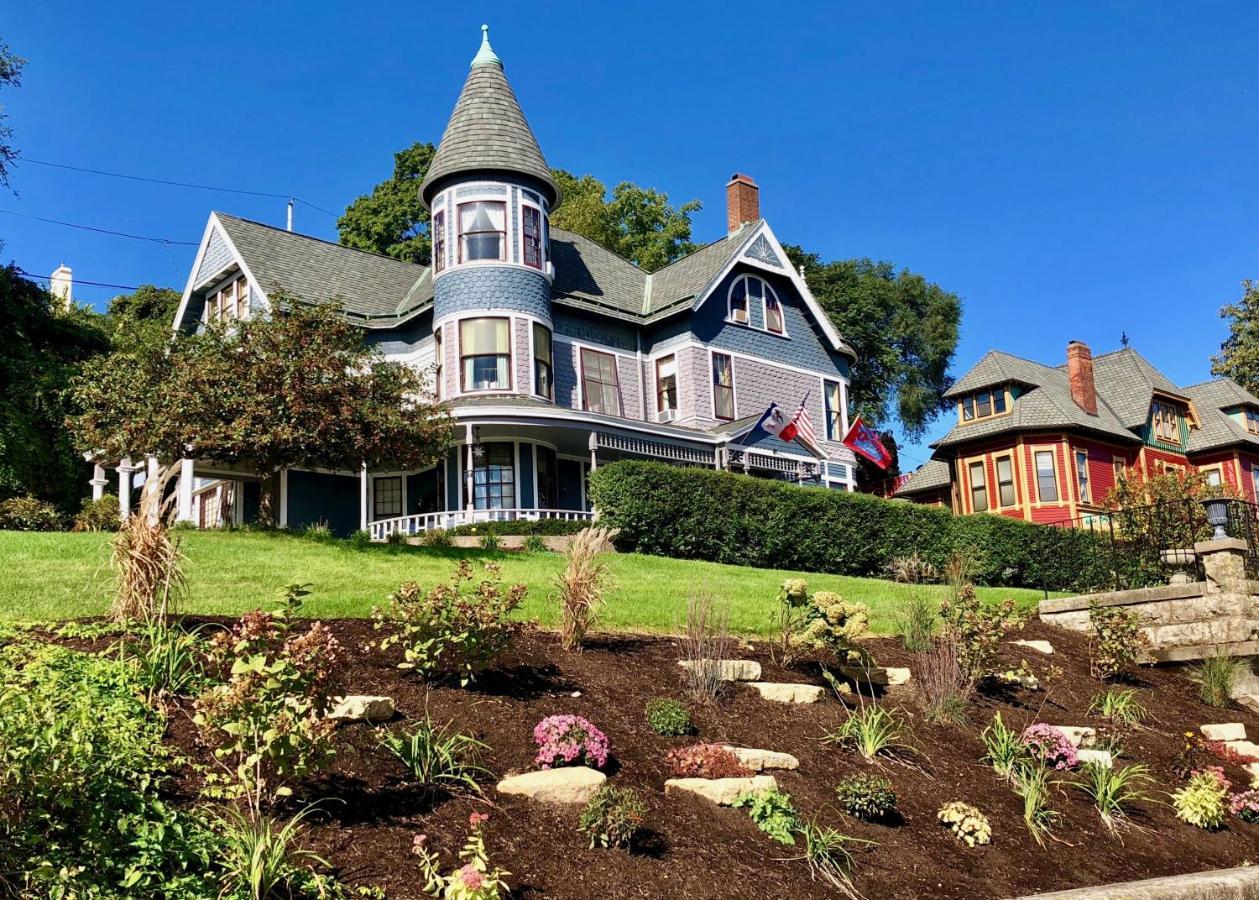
x=695 y=850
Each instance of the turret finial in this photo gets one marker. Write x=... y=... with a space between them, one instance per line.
x=486 y=55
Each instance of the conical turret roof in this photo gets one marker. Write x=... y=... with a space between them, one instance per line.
x=487 y=132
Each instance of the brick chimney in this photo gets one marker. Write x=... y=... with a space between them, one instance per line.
x=1080 y=374
x=743 y=201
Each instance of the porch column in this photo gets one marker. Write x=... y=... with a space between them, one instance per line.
x=284 y=498
x=98 y=481
x=468 y=439
x=152 y=472
x=593 y=444
x=362 y=497
x=186 y=480
x=124 y=488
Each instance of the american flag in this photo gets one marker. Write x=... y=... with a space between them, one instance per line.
x=804 y=426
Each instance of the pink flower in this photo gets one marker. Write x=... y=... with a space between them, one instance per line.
x=417 y=843
x=476 y=819
x=568 y=740
x=471 y=878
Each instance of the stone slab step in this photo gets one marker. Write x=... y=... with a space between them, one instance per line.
x=362 y=708
x=1039 y=646
x=880 y=676
x=759 y=760
x=1245 y=748
x=1224 y=731
x=1079 y=735
x=722 y=791
x=730 y=669
x=1096 y=757
x=568 y=784
x=780 y=692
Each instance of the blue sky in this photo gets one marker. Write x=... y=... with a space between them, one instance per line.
x=1071 y=170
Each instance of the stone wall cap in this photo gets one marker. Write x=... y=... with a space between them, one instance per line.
x=1216 y=546
x=1123 y=598
x=1242 y=881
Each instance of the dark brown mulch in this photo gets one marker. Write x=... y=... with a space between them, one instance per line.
x=698 y=851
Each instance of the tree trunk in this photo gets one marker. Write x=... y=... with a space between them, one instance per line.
x=266 y=498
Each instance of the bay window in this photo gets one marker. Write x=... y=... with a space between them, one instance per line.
x=531 y=232
x=666 y=383
x=482 y=231
x=723 y=387
x=543 y=383
x=1006 y=495
x=601 y=389
x=494 y=476
x=485 y=354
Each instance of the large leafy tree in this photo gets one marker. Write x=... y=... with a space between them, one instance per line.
x=391 y=220
x=638 y=223
x=41 y=351
x=146 y=315
x=903 y=328
x=10 y=76
x=1238 y=358
x=298 y=387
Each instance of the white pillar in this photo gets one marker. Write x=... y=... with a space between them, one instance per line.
x=593 y=444
x=124 y=488
x=151 y=485
x=186 y=482
x=470 y=504
x=284 y=498
x=99 y=481
x=362 y=497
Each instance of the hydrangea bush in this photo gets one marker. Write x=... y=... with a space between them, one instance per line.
x=833 y=624
x=969 y=824
x=569 y=741
x=1051 y=746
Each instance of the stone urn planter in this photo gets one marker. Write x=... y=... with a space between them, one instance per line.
x=1180 y=560
x=1217 y=516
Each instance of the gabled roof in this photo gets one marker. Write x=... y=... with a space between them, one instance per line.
x=1128 y=382
x=932 y=475
x=1216 y=429
x=589 y=273
x=1045 y=403
x=684 y=278
x=488 y=132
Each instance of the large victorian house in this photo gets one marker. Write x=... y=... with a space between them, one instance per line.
x=1048 y=443
x=553 y=354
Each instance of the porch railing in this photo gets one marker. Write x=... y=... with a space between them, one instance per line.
x=421 y=522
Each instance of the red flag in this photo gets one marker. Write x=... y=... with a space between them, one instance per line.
x=863 y=440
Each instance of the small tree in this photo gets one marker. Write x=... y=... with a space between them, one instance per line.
x=293 y=386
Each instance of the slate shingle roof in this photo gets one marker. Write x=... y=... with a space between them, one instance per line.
x=932 y=475
x=368 y=285
x=585 y=271
x=1046 y=402
x=1127 y=381
x=1216 y=428
x=488 y=132
x=684 y=278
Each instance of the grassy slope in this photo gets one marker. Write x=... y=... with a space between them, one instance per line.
x=50 y=576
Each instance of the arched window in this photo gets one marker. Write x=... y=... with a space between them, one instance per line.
x=749 y=291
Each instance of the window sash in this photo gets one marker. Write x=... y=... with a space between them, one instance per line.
x=666 y=383
x=485 y=352
x=601 y=387
x=739 y=301
x=543 y=362
x=1006 y=495
x=1046 y=476
x=1166 y=423
x=531 y=233
x=1082 y=476
x=494 y=477
x=723 y=387
x=983 y=404
x=439 y=240
x=1213 y=477
x=833 y=408
x=387 y=497
x=482 y=231
x=773 y=312
x=978 y=487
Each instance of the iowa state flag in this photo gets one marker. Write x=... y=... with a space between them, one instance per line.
x=861 y=439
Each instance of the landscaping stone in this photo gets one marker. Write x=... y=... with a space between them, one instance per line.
x=1079 y=735
x=1039 y=646
x=1228 y=731
x=1221 y=884
x=1096 y=757
x=880 y=676
x=759 y=760
x=1245 y=748
x=788 y=693
x=722 y=791
x=362 y=708
x=731 y=669
x=568 y=784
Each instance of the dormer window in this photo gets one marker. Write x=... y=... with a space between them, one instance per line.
x=531 y=233
x=748 y=291
x=984 y=404
x=739 y=301
x=1252 y=420
x=482 y=231
x=1165 y=420
x=231 y=301
x=773 y=312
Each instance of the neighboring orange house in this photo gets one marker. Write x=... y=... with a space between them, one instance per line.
x=1046 y=444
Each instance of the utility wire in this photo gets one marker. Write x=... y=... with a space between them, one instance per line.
x=184 y=184
x=78 y=281
x=135 y=237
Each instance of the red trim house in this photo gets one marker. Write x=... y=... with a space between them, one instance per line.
x=1047 y=443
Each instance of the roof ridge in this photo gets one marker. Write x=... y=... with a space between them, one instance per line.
x=708 y=246
x=319 y=240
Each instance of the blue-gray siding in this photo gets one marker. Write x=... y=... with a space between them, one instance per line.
x=321 y=497
x=492 y=287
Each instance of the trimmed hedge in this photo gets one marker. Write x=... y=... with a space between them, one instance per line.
x=694 y=513
x=521 y=527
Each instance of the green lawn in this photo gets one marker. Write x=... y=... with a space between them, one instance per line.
x=57 y=576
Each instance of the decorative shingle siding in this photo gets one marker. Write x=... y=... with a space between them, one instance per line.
x=695 y=397
x=523 y=357
x=405 y=339
x=595 y=330
x=629 y=375
x=492 y=287
x=218 y=256
x=565 y=375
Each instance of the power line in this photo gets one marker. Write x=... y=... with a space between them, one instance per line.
x=78 y=281
x=184 y=184
x=134 y=237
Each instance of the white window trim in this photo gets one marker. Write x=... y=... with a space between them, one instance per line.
x=654 y=402
x=782 y=312
x=767 y=290
x=581 y=381
x=511 y=357
x=712 y=388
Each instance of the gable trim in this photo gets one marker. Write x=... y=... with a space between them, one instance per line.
x=211 y=225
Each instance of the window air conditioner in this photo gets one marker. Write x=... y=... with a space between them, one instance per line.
x=666 y=415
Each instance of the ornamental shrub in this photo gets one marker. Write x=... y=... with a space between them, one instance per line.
x=833 y=624
x=667 y=717
x=866 y=796
x=704 y=761
x=968 y=823
x=773 y=812
x=1201 y=802
x=456 y=628
x=29 y=514
x=543 y=527
x=1116 y=641
x=693 y=513
x=1051 y=746
x=1245 y=805
x=977 y=630
x=569 y=741
x=98 y=515
x=613 y=818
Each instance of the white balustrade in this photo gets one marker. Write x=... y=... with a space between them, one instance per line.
x=419 y=523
